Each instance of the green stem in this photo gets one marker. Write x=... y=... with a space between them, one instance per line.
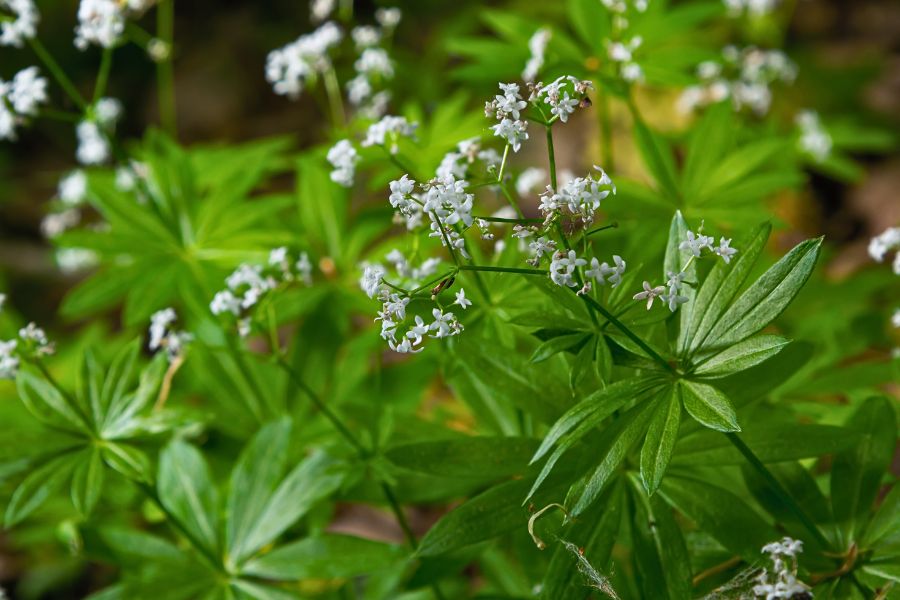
x=552 y=157
x=628 y=333
x=103 y=74
x=165 y=71
x=446 y=238
x=783 y=495
x=323 y=408
x=60 y=115
x=58 y=74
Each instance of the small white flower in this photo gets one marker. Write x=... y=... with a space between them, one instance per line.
x=418 y=330
x=895 y=318
x=27 y=90
x=225 y=302
x=73 y=260
x=370 y=282
x=883 y=243
x=100 y=22
x=388 y=18
x=562 y=268
x=401 y=189
x=374 y=61
x=108 y=111
x=23 y=27
x=289 y=68
x=695 y=243
x=461 y=299
x=9 y=362
x=163 y=336
x=514 y=132
x=343 y=157
x=319 y=10
x=537 y=45
x=365 y=36
x=725 y=250
x=530 y=181
x=650 y=293
x=73 y=187
x=445 y=324
x=93 y=147
x=388 y=131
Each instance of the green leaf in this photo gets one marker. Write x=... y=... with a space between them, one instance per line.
x=741 y=356
x=720 y=513
x=38 y=486
x=186 y=491
x=315 y=478
x=856 y=473
x=660 y=551
x=618 y=440
x=766 y=298
x=772 y=442
x=660 y=441
x=87 y=481
x=474 y=457
x=325 y=557
x=253 y=480
x=118 y=378
x=589 y=22
x=717 y=292
x=710 y=407
x=127 y=460
x=118 y=422
x=47 y=403
x=657 y=155
x=886 y=521
x=674 y=262
x=556 y=345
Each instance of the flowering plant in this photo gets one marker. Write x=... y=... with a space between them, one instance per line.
x=536 y=366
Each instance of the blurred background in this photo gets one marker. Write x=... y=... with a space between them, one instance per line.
x=848 y=52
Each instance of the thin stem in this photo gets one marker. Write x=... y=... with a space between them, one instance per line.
x=103 y=74
x=58 y=74
x=552 y=157
x=323 y=408
x=401 y=517
x=612 y=225
x=446 y=238
x=502 y=270
x=628 y=333
x=60 y=115
x=716 y=569
x=165 y=71
x=783 y=495
x=434 y=280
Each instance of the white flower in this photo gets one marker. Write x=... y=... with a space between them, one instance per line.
x=418 y=330
x=814 y=140
x=370 y=282
x=387 y=132
x=23 y=27
x=508 y=104
x=289 y=68
x=73 y=260
x=108 y=111
x=562 y=268
x=887 y=240
x=448 y=201
x=365 y=36
x=539 y=248
x=753 y=7
x=725 y=250
x=895 y=318
x=2 y=301
x=781 y=582
x=388 y=18
x=565 y=107
x=9 y=362
x=304 y=268
x=650 y=293
x=374 y=61
x=531 y=180
x=163 y=336
x=223 y=302
x=580 y=196
x=461 y=299
x=93 y=147
x=27 y=90
x=319 y=10
x=359 y=89
x=537 y=45
x=73 y=187
x=603 y=273
x=54 y=224
x=632 y=72
x=343 y=157
x=695 y=243
x=100 y=22
x=512 y=131
x=400 y=192
x=445 y=324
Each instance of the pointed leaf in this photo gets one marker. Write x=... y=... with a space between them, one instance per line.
x=87 y=481
x=38 y=486
x=186 y=491
x=46 y=402
x=660 y=441
x=475 y=457
x=741 y=356
x=325 y=557
x=708 y=406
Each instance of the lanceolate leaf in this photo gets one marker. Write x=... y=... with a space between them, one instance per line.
x=187 y=492
x=660 y=441
x=472 y=457
x=717 y=292
x=325 y=557
x=675 y=261
x=46 y=403
x=741 y=356
x=257 y=472
x=886 y=521
x=39 y=485
x=87 y=481
x=708 y=406
x=766 y=298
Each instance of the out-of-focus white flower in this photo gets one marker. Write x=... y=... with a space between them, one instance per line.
x=365 y=36
x=388 y=131
x=93 y=147
x=23 y=26
x=9 y=362
x=374 y=62
x=108 y=111
x=343 y=157
x=73 y=260
x=73 y=187
x=388 y=18
x=163 y=336
x=370 y=282
x=100 y=22
x=34 y=340
x=886 y=241
x=623 y=54
x=27 y=90
x=538 y=46
x=814 y=140
x=895 y=318
x=225 y=302
x=530 y=181
x=319 y=10
x=756 y=8
x=56 y=223
x=289 y=68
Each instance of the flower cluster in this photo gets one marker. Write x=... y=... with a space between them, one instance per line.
x=95 y=132
x=887 y=241
x=620 y=9
x=100 y=22
x=31 y=343
x=814 y=140
x=781 y=581
x=343 y=157
x=556 y=95
x=537 y=45
x=250 y=282
x=373 y=66
x=456 y=164
x=579 y=197
x=622 y=53
x=388 y=131
x=507 y=108
x=23 y=26
x=693 y=244
x=164 y=336
x=756 y=8
x=753 y=71
x=290 y=68
x=20 y=99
